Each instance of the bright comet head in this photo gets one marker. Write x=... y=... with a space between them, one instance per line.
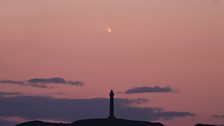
x=108 y=28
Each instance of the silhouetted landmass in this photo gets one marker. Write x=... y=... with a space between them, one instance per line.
x=204 y=125
x=110 y=121
x=40 y=123
x=94 y=122
x=113 y=122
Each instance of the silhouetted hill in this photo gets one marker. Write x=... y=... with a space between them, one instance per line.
x=204 y=124
x=110 y=121
x=113 y=122
x=94 y=122
x=40 y=123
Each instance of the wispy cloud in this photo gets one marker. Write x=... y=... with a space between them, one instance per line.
x=4 y=122
x=10 y=94
x=13 y=119
x=42 y=82
x=218 y=116
x=155 y=89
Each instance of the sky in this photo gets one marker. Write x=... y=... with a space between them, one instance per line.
x=163 y=58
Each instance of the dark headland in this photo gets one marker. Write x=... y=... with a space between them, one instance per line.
x=94 y=122
x=110 y=121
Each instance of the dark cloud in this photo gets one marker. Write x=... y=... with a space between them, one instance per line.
x=42 y=82
x=37 y=107
x=6 y=123
x=218 y=116
x=11 y=82
x=155 y=89
x=9 y=94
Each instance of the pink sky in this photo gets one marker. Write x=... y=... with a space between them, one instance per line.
x=176 y=43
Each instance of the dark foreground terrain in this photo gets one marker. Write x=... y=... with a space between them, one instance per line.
x=94 y=122
x=101 y=122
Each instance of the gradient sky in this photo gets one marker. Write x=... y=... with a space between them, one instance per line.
x=175 y=43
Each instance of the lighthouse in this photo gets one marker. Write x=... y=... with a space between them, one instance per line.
x=111 y=107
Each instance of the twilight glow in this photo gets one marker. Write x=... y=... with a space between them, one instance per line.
x=163 y=59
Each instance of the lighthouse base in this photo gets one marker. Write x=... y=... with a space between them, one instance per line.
x=111 y=117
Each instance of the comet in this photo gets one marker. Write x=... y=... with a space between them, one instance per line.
x=108 y=28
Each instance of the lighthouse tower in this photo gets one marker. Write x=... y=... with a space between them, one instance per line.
x=111 y=116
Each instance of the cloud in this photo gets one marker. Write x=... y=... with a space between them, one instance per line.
x=42 y=82
x=155 y=89
x=10 y=94
x=218 y=116
x=11 y=82
x=6 y=123
x=12 y=119
x=39 y=107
